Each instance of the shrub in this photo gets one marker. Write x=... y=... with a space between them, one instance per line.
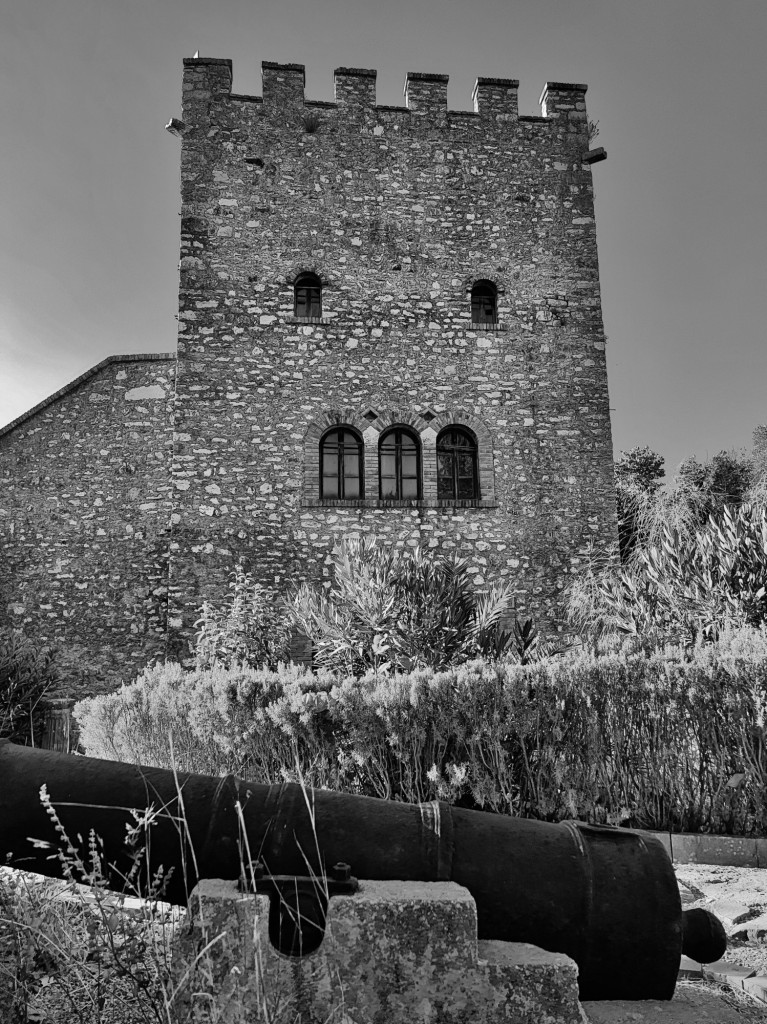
x=402 y=607
x=684 y=586
x=611 y=737
x=208 y=720
x=250 y=629
x=27 y=674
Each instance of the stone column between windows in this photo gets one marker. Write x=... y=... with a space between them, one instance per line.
x=429 y=463
x=370 y=441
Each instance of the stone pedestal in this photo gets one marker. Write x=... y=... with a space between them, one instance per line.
x=393 y=953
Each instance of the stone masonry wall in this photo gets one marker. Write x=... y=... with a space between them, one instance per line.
x=398 y=210
x=84 y=513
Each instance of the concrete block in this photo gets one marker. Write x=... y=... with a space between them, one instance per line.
x=761 y=852
x=394 y=953
x=726 y=973
x=756 y=987
x=733 y=851
x=690 y=968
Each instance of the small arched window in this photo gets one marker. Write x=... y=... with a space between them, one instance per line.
x=307 y=292
x=484 y=303
x=341 y=464
x=457 y=475
x=399 y=465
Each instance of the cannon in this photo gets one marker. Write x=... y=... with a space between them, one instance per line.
x=606 y=897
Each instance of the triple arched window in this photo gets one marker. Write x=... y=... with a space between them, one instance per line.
x=307 y=296
x=400 y=465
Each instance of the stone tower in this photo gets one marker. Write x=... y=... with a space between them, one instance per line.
x=389 y=322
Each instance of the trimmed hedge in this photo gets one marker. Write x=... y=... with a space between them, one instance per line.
x=654 y=742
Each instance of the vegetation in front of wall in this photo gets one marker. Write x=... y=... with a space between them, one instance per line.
x=384 y=607
x=396 y=608
x=698 y=490
x=249 y=628
x=27 y=674
x=620 y=737
x=684 y=587
x=693 y=556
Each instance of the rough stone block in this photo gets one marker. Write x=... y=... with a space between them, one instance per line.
x=729 y=912
x=752 y=931
x=394 y=953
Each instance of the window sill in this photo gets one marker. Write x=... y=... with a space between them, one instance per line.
x=495 y=326
x=306 y=320
x=397 y=503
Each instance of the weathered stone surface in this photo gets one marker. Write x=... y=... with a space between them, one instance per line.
x=84 y=520
x=729 y=912
x=395 y=953
x=399 y=211
x=754 y=930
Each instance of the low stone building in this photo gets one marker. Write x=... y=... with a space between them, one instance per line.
x=389 y=323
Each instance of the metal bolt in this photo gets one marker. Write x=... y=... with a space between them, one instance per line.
x=341 y=872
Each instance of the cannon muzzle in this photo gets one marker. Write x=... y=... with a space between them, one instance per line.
x=606 y=897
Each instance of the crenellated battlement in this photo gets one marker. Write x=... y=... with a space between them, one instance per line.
x=355 y=90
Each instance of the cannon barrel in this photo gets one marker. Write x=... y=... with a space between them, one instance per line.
x=606 y=897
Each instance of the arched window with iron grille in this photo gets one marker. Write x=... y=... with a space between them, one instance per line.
x=399 y=465
x=484 y=303
x=457 y=476
x=341 y=464
x=307 y=296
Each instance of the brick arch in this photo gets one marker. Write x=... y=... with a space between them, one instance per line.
x=398 y=418
x=465 y=420
x=326 y=276
x=314 y=433
x=489 y=275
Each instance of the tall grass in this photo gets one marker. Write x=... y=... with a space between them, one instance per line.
x=71 y=950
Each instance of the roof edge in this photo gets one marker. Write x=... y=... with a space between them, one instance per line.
x=150 y=357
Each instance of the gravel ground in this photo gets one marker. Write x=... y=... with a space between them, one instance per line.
x=721 y=888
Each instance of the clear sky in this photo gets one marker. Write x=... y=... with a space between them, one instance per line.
x=90 y=183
